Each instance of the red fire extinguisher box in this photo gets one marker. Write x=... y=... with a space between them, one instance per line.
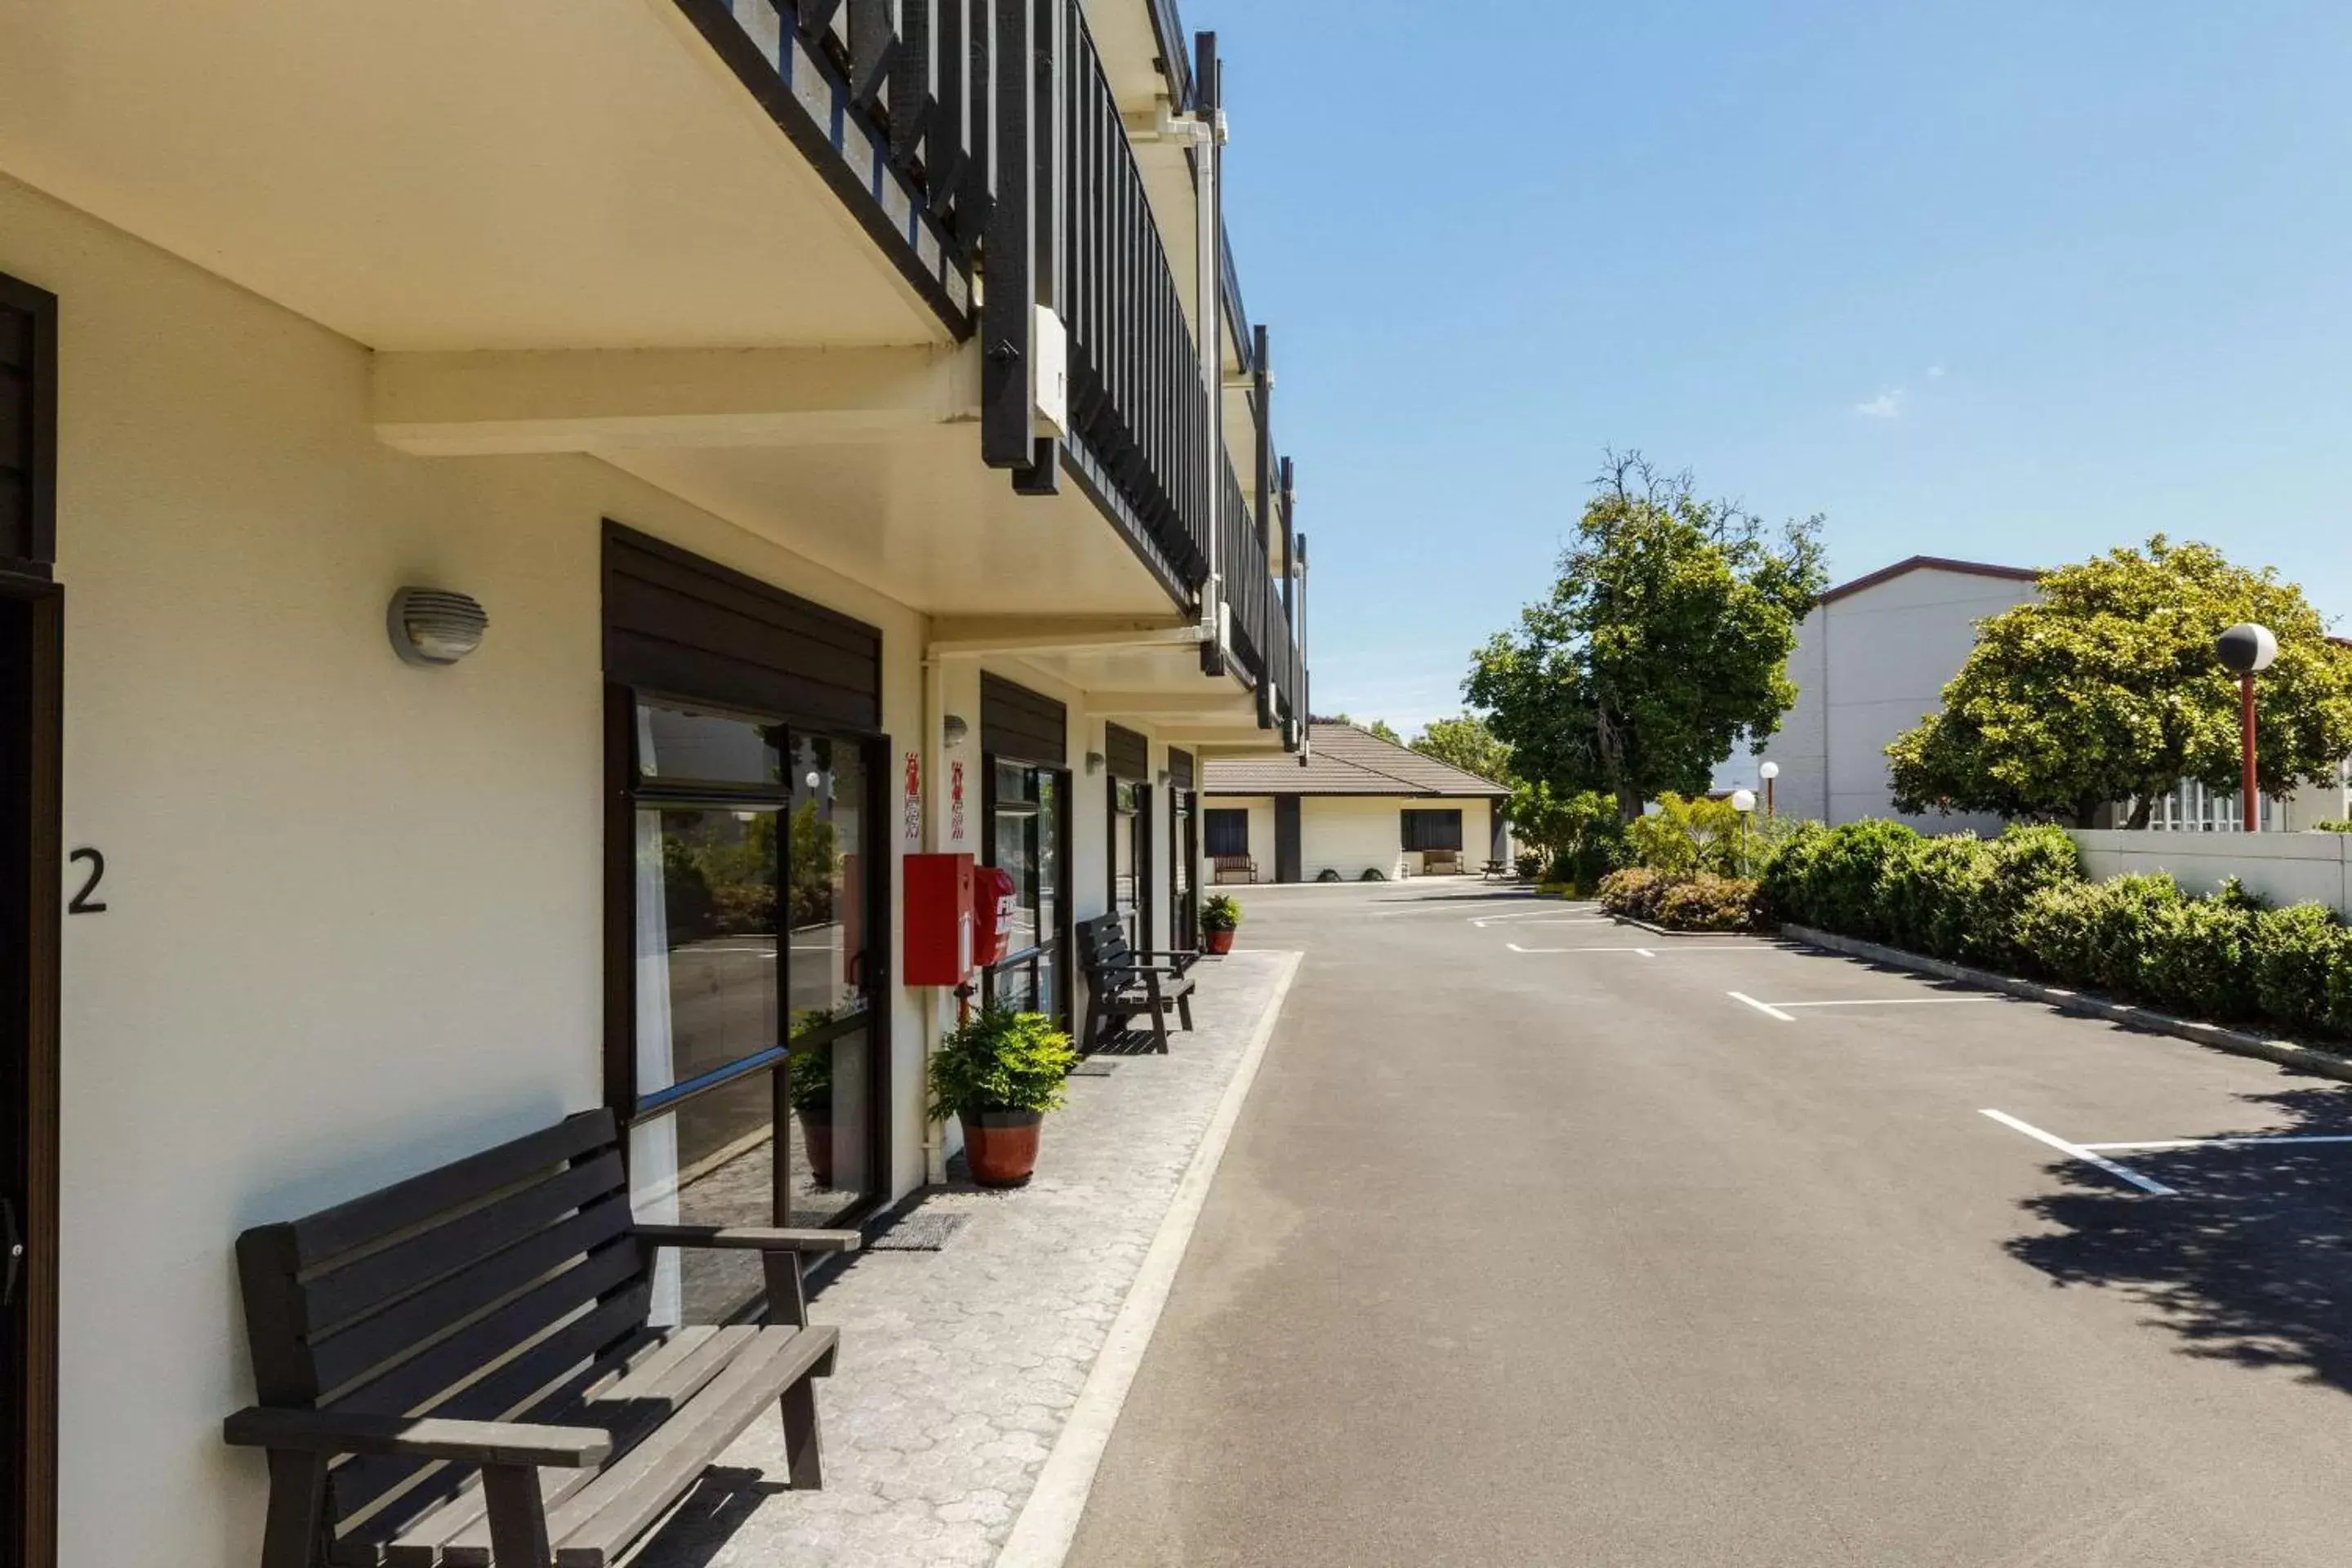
x=938 y=919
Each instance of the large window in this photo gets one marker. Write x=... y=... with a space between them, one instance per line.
x=1027 y=832
x=1130 y=857
x=1432 y=829
x=1227 y=831
x=753 y=990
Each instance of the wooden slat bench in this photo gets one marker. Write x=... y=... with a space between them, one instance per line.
x=460 y=1369
x=1441 y=862
x=1232 y=868
x=1123 y=983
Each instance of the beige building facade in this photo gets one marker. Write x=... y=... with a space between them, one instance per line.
x=575 y=312
x=1356 y=808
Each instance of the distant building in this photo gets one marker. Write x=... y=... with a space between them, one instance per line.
x=1360 y=803
x=1874 y=659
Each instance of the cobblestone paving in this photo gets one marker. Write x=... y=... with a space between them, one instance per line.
x=958 y=1368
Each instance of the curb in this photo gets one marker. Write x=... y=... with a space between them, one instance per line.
x=2286 y=1053
x=1048 y=1524
x=1661 y=930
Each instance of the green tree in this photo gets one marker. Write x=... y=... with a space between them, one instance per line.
x=1666 y=639
x=2107 y=691
x=1379 y=730
x=1467 y=743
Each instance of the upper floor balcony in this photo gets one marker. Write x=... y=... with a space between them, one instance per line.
x=1045 y=174
x=787 y=259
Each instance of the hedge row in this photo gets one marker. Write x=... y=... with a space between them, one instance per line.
x=1700 y=901
x=2020 y=903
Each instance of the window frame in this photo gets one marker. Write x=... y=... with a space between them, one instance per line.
x=628 y=790
x=1424 y=817
x=1209 y=822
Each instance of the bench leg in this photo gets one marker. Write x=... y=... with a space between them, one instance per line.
x=802 y=1440
x=298 y=1502
x=1159 y=1011
x=518 y=1514
x=787 y=1301
x=1184 y=1010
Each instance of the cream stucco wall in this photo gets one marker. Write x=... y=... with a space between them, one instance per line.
x=353 y=921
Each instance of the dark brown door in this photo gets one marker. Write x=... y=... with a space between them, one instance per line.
x=28 y=970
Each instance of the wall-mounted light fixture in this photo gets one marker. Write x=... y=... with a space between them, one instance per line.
x=955 y=729
x=1160 y=778
x=433 y=627
x=1094 y=762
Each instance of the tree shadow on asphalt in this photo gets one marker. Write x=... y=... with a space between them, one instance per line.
x=2250 y=1263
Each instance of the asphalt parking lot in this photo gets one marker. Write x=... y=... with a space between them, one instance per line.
x=1543 y=1240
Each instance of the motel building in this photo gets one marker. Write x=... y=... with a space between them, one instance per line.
x=517 y=521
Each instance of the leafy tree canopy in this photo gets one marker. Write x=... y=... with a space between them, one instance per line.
x=1666 y=639
x=2108 y=691
x=1467 y=743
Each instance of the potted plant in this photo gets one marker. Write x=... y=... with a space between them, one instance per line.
x=998 y=1072
x=1220 y=918
x=808 y=1084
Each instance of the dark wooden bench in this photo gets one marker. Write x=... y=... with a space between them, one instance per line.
x=1493 y=869
x=1221 y=866
x=460 y=1369
x=1123 y=983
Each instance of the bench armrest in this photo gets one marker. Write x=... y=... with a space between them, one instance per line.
x=751 y=1237
x=417 y=1437
x=1115 y=969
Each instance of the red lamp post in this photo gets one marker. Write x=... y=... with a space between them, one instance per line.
x=2245 y=650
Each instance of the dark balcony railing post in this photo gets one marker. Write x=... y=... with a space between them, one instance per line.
x=1289 y=552
x=1050 y=222
x=1008 y=322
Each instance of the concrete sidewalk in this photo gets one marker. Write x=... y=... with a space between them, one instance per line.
x=959 y=1368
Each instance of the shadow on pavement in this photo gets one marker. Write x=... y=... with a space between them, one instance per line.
x=2252 y=1262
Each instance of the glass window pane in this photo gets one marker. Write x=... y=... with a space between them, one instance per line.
x=709 y=1161
x=827 y=860
x=706 y=941
x=1014 y=781
x=677 y=743
x=833 y=1158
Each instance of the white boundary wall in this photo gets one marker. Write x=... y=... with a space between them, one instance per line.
x=2284 y=868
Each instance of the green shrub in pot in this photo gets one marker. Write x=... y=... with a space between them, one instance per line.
x=998 y=1072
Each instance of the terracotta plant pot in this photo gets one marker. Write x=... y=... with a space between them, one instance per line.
x=817 y=1137
x=1000 y=1145
x=1218 y=941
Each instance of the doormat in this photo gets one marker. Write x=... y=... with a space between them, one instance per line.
x=919 y=1233
x=1093 y=1069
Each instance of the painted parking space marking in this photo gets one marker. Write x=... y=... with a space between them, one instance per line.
x=2250 y=1140
x=2148 y=1185
x=1644 y=952
x=1766 y=1008
x=1895 y=1002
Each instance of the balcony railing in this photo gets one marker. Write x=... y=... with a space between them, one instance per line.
x=980 y=144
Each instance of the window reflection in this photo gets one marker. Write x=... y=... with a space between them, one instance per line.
x=711 y=1162
x=832 y=1156
x=677 y=743
x=706 y=941
x=828 y=871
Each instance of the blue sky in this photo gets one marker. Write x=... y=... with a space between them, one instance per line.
x=2006 y=280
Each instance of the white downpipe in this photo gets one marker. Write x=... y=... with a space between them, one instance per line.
x=1206 y=134
x=1305 y=695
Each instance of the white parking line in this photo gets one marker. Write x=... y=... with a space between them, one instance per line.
x=2075 y=1151
x=2254 y=1141
x=1894 y=1001
x=1549 y=915
x=1644 y=952
x=1764 y=1008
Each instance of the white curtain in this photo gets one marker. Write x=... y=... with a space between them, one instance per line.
x=653 y=1145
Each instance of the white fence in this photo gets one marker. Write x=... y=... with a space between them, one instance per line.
x=2284 y=868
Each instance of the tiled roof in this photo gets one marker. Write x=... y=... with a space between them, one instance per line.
x=1344 y=760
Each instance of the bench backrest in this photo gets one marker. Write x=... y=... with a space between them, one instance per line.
x=474 y=1290
x=1103 y=944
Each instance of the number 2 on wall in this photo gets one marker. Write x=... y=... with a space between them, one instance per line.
x=82 y=903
